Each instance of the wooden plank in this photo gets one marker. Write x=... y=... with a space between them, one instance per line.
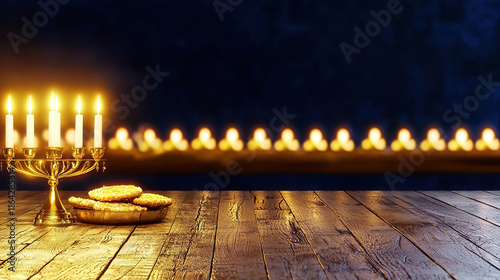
x=186 y=251
x=484 y=236
x=340 y=254
x=37 y=255
x=268 y=200
x=88 y=255
x=468 y=205
x=287 y=252
x=435 y=242
x=238 y=252
x=483 y=197
x=392 y=252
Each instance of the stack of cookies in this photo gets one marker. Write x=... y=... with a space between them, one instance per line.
x=121 y=198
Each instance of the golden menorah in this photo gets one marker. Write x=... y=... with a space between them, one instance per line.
x=53 y=168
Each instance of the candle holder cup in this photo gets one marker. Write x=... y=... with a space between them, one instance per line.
x=53 y=168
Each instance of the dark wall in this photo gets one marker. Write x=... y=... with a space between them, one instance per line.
x=231 y=65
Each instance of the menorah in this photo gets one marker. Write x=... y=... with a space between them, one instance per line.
x=53 y=168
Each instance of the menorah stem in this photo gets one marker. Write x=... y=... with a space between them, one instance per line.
x=53 y=212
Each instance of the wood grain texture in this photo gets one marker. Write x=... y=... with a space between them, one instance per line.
x=484 y=236
x=42 y=251
x=268 y=200
x=471 y=206
x=393 y=253
x=340 y=254
x=287 y=252
x=188 y=248
x=138 y=255
x=88 y=255
x=238 y=252
x=436 y=243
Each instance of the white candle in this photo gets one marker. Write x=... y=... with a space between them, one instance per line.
x=30 y=128
x=79 y=126
x=98 y=126
x=54 y=125
x=9 y=128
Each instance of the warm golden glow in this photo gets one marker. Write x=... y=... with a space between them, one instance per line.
x=232 y=141
x=315 y=141
x=98 y=105
x=259 y=141
x=374 y=140
x=488 y=141
x=287 y=141
x=121 y=140
x=433 y=141
x=122 y=134
x=53 y=102
x=149 y=136
x=9 y=105
x=70 y=135
x=45 y=135
x=176 y=141
x=30 y=106
x=404 y=141
x=461 y=141
x=57 y=104
x=79 y=105
x=16 y=137
x=204 y=140
x=343 y=141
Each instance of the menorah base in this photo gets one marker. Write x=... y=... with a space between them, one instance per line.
x=53 y=218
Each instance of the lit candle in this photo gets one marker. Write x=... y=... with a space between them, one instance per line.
x=204 y=140
x=433 y=141
x=79 y=126
x=98 y=126
x=9 y=127
x=232 y=141
x=30 y=127
x=54 y=124
x=343 y=141
x=316 y=141
x=461 y=141
x=404 y=141
x=287 y=141
x=260 y=140
x=488 y=141
x=374 y=140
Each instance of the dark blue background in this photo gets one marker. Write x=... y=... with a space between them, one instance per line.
x=265 y=55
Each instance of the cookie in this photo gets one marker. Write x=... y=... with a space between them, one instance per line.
x=152 y=200
x=117 y=207
x=82 y=203
x=115 y=193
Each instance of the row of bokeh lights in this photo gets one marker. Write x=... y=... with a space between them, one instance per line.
x=147 y=141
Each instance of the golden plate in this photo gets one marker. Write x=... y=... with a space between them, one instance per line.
x=121 y=218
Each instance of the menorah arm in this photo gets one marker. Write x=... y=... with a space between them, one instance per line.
x=75 y=171
x=28 y=169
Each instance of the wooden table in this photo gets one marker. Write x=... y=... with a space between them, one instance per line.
x=270 y=235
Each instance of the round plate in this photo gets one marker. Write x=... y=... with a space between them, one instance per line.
x=121 y=218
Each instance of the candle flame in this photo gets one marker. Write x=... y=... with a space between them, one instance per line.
x=176 y=136
x=98 y=105
x=462 y=136
x=260 y=135
x=488 y=135
x=30 y=106
x=205 y=134
x=9 y=105
x=343 y=135
x=374 y=135
x=232 y=135
x=79 y=105
x=316 y=136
